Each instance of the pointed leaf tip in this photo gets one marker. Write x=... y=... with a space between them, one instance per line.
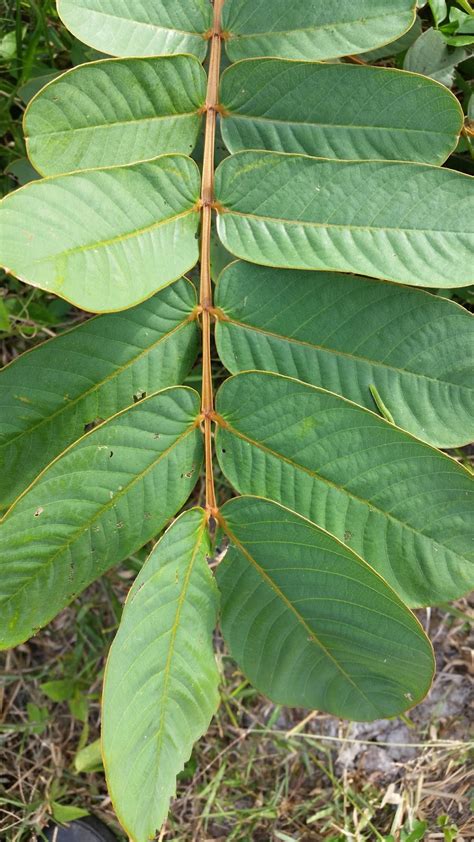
x=163 y=647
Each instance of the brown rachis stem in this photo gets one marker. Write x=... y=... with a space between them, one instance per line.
x=207 y=198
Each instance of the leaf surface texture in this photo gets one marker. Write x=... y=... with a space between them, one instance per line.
x=105 y=239
x=51 y=395
x=161 y=680
x=409 y=223
x=117 y=111
x=103 y=499
x=400 y=504
x=312 y=29
x=139 y=27
x=349 y=334
x=310 y=623
x=337 y=111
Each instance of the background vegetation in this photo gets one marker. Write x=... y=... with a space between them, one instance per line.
x=262 y=772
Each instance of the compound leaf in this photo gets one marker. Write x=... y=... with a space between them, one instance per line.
x=337 y=111
x=349 y=334
x=105 y=239
x=54 y=393
x=312 y=29
x=409 y=223
x=117 y=111
x=403 y=506
x=140 y=27
x=103 y=499
x=310 y=623
x=161 y=680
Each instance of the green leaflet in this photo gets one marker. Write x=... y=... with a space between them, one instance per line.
x=348 y=334
x=312 y=29
x=401 y=505
x=409 y=223
x=50 y=395
x=139 y=27
x=310 y=623
x=116 y=111
x=161 y=680
x=431 y=55
x=337 y=111
x=103 y=499
x=105 y=239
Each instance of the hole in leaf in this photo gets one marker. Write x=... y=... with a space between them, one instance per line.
x=92 y=424
x=188 y=474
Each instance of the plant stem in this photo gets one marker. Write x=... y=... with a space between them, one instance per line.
x=466 y=6
x=207 y=199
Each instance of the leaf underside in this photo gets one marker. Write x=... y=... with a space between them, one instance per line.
x=400 y=504
x=105 y=239
x=117 y=111
x=409 y=223
x=104 y=498
x=348 y=334
x=337 y=111
x=310 y=623
x=139 y=27
x=161 y=680
x=312 y=29
x=54 y=393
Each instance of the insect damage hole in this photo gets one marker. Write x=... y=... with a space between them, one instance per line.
x=189 y=474
x=139 y=396
x=91 y=425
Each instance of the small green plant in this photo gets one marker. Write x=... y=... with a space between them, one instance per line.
x=346 y=378
x=449 y=829
x=414 y=834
